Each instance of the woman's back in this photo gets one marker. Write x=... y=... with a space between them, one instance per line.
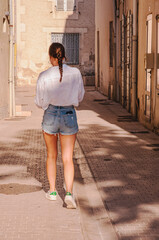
x=50 y=90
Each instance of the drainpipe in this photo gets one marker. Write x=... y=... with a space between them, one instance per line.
x=123 y=55
x=115 y=85
x=11 y=61
x=117 y=52
x=116 y=48
x=134 y=61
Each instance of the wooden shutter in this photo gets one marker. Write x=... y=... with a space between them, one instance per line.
x=60 y=5
x=70 y=5
x=111 y=44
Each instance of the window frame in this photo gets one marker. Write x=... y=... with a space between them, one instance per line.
x=65 y=6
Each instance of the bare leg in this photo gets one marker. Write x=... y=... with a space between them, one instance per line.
x=67 y=146
x=51 y=145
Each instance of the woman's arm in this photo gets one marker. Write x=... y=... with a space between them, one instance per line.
x=40 y=87
x=81 y=90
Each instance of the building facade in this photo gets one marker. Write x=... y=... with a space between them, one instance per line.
x=39 y=23
x=7 y=45
x=104 y=74
x=130 y=73
x=4 y=59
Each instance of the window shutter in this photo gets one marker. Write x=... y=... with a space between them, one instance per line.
x=70 y=5
x=71 y=44
x=60 y=5
x=111 y=44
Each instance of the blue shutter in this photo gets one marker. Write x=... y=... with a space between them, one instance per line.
x=71 y=44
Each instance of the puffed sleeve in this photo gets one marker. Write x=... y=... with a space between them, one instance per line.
x=81 y=90
x=40 y=88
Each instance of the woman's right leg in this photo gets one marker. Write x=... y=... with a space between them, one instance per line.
x=51 y=145
x=67 y=146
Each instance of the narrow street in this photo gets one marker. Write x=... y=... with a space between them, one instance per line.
x=116 y=176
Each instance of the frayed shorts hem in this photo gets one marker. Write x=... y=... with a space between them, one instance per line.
x=67 y=134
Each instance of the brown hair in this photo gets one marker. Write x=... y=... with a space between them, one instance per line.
x=57 y=50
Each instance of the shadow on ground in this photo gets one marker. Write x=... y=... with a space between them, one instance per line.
x=28 y=151
x=125 y=168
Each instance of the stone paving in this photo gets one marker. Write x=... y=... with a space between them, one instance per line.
x=25 y=212
x=116 y=176
x=123 y=158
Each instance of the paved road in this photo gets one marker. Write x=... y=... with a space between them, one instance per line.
x=116 y=176
x=123 y=158
x=25 y=212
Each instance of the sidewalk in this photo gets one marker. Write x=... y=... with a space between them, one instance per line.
x=116 y=176
x=123 y=158
x=25 y=212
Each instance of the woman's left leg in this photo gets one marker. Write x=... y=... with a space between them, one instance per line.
x=51 y=145
x=67 y=146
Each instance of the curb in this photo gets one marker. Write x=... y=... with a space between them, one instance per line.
x=98 y=226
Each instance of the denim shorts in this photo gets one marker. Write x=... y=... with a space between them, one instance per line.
x=60 y=119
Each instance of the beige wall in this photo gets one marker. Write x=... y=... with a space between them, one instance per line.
x=36 y=20
x=4 y=60
x=156 y=88
x=103 y=15
x=146 y=8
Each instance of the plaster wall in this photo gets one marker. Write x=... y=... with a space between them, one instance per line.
x=4 y=60
x=103 y=15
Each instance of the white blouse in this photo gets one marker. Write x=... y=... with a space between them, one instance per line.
x=49 y=90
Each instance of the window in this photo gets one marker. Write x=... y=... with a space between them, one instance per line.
x=111 y=44
x=71 y=44
x=65 y=5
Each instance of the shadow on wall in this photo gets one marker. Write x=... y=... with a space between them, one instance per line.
x=77 y=53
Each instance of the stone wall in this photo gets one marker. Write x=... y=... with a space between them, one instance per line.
x=36 y=20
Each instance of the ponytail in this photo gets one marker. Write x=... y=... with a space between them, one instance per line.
x=59 y=57
x=57 y=50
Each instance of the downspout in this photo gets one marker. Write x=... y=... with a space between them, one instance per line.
x=115 y=72
x=11 y=62
x=123 y=55
x=116 y=49
x=134 y=61
x=117 y=52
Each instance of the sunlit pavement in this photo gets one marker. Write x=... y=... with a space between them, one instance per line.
x=116 y=176
x=123 y=158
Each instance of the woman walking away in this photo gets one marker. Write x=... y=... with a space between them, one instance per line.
x=59 y=89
